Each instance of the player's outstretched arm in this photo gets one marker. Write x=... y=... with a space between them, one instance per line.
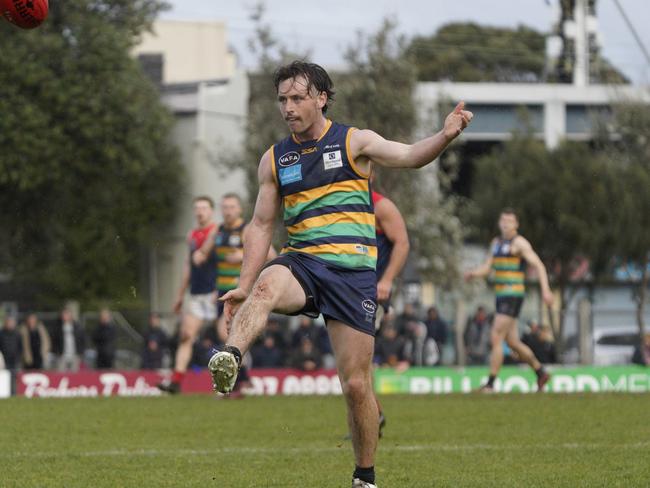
x=528 y=253
x=484 y=269
x=200 y=256
x=371 y=146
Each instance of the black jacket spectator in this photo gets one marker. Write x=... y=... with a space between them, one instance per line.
x=155 y=343
x=403 y=319
x=389 y=348
x=104 y=338
x=436 y=327
x=267 y=354
x=642 y=352
x=10 y=344
x=539 y=340
x=279 y=333
x=307 y=357
x=306 y=328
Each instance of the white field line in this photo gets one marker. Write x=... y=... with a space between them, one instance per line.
x=315 y=450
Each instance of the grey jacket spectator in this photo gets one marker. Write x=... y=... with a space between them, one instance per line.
x=10 y=343
x=35 y=342
x=477 y=337
x=420 y=350
x=68 y=342
x=155 y=343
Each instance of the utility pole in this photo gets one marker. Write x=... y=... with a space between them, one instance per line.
x=579 y=32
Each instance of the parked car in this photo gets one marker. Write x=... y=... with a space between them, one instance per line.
x=615 y=345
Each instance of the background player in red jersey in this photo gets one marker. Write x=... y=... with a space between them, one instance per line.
x=392 y=251
x=200 y=278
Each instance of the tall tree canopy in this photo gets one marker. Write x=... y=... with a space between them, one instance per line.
x=471 y=52
x=87 y=170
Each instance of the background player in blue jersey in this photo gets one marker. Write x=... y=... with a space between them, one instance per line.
x=319 y=175
x=507 y=257
x=392 y=251
x=200 y=278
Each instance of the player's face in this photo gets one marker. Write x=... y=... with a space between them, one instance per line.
x=508 y=224
x=300 y=107
x=202 y=212
x=230 y=210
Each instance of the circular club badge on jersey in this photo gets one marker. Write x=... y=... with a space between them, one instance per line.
x=289 y=158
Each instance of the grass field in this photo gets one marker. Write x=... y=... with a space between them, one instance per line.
x=587 y=440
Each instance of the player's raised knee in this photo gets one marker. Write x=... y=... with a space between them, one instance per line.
x=263 y=290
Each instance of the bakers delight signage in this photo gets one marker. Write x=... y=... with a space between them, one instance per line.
x=88 y=384
x=44 y=384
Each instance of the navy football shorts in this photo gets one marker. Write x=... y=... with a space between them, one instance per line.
x=220 y=305
x=510 y=306
x=349 y=296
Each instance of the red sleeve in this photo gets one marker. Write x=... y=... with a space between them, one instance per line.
x=377 y=197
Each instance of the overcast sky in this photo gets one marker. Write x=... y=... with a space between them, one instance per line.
x=327 y=27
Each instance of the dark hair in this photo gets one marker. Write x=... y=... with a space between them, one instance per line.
x=509 y=211
x=315 y=75
x=232 y=195
x=204 y=198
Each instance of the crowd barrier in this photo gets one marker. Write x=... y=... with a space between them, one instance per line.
x=422 y=381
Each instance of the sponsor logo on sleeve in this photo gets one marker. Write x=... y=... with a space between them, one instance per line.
x=292 y=174
x=332 y=160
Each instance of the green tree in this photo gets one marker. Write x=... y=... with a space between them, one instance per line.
x=471 y=52
x=264 y=126
x=377 y=92
x=629 y=152
x=87 y=171
x=563 y=198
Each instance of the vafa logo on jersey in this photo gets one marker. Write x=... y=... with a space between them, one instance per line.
x=289 y=158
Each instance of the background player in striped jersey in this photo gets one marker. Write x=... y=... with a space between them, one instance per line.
x=200 y=278
x=319 y=174
x=508 y=257
x=227 y=246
